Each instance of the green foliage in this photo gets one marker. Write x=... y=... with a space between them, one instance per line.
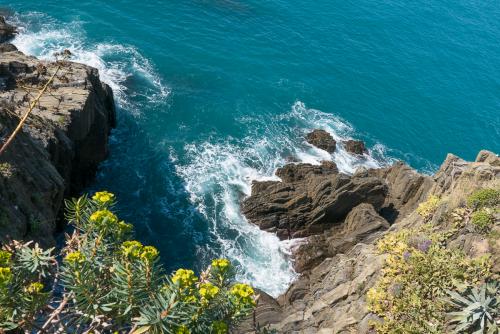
x=427 y=208
x=483 y=219
x=484 y=198
x=418 y=271
x=475 y=309
x=107 y=282
x=23 y=271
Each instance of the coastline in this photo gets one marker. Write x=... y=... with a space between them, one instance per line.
x=331 y=217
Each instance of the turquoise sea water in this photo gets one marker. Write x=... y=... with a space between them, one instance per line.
x=213 y=94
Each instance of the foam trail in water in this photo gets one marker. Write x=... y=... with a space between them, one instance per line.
x=217 y=178
x=219 y=175
x=41 y=37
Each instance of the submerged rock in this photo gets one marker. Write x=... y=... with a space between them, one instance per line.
x=322 y=139
x=60 y=146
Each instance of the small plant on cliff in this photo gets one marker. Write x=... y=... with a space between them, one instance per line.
x=483 y=219
x=418 y=271
x=6 y=170
x=427 y=208
x=107 y=282
x=477 y=309
x=484 y=198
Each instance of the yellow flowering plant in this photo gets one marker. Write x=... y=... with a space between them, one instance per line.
x=34 y=288
x=5 y=258
x=23 y=267
x=104 y=198
x=108 y=282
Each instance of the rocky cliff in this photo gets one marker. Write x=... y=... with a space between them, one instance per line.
x=343 y=216
x=61 y=144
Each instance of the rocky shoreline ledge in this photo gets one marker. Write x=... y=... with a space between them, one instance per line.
x=60 y=146
x=341 y=218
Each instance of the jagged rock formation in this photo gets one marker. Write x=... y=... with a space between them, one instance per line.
x=339 y=263
x=310 y=199
x=322 y=139
x=60 y=146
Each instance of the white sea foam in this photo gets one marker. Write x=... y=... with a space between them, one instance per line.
x=219 y=175
x=41 y=36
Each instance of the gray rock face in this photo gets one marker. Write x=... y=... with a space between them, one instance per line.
x=362 y=224
x=322 y=139
x=355 y=147
x=407 y=189
x=299 y=172
x=7 y=31
x=60 y=146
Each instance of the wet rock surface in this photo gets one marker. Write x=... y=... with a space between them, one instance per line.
x=355 y=147
x=7 y=31
x=309 y=199
x=322 y=139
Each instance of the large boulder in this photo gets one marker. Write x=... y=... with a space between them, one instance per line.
x=360 y=225
x=407 y=188
x=299 y=172
x=7 y=47
x=322 y=139
x=309 y=200
x=355 y=147
x=7 y=31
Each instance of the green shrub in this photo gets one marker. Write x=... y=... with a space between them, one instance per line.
x=483 y=220
x=484 y=198
x=418 y=271
x=108 y=283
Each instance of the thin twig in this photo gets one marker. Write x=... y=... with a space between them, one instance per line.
x=56 y=312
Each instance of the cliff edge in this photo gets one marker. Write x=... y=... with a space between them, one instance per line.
x=61 y=144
